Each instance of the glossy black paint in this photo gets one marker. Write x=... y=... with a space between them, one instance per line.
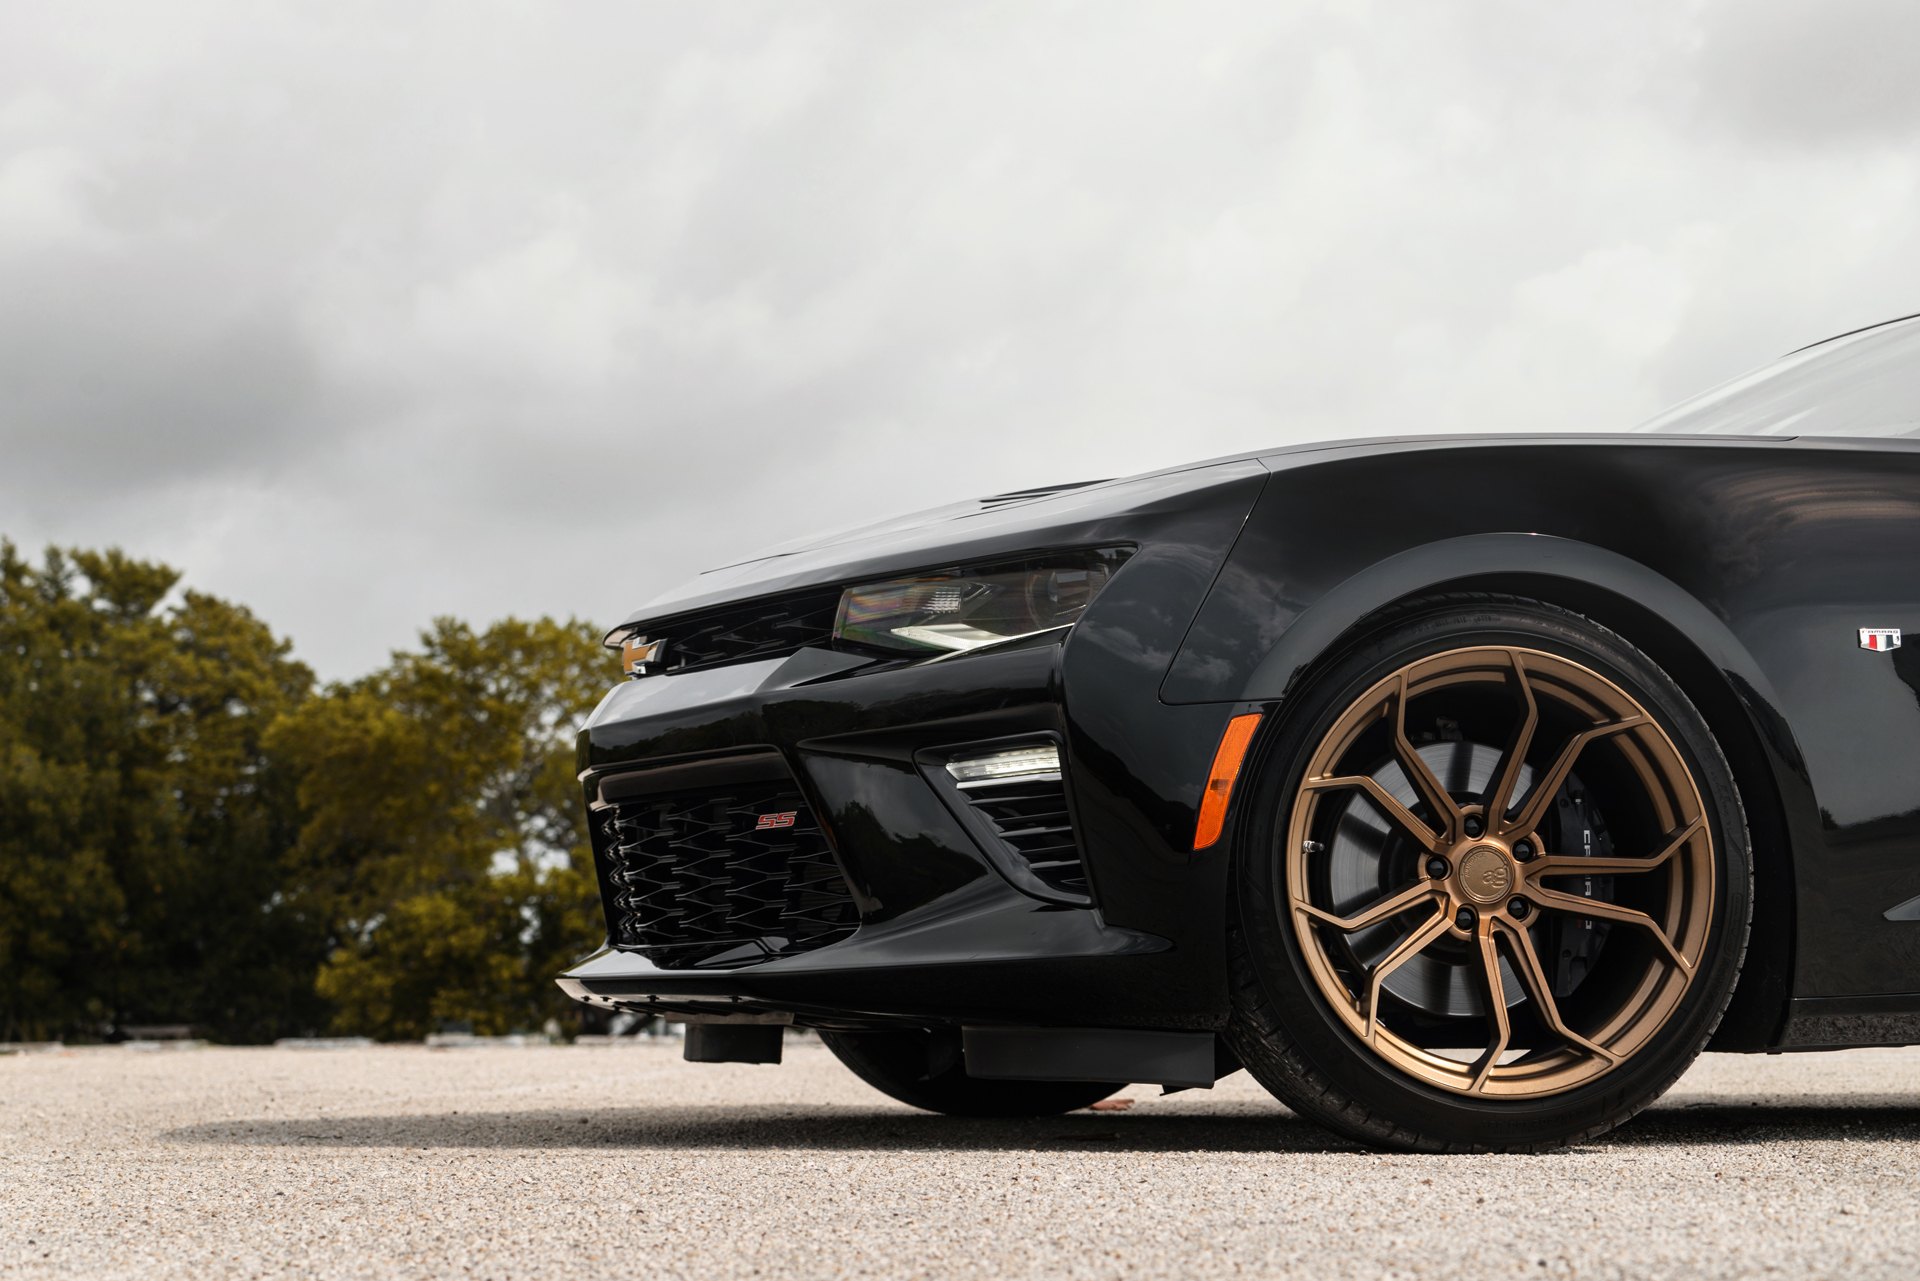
x=1744 y=566
x=944 y=936
x=1759 y=559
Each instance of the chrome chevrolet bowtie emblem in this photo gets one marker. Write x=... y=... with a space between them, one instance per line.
x=638 y=655
x=1879 y=638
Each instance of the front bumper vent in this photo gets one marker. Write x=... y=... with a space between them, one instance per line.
x=1018 y=796
x=724 y=875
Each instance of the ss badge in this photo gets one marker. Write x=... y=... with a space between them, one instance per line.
x=1880 y=638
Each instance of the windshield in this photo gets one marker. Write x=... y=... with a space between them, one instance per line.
x=1864 y=384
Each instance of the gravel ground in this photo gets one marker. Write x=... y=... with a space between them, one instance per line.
x=576 y=1162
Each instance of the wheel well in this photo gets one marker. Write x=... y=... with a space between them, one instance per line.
x=1759 y=1005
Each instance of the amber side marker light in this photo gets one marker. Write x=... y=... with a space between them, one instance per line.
x=1226 y=767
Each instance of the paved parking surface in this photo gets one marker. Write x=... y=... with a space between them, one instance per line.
x=578 y=1162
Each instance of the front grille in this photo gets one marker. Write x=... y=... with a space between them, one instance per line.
x=743 y=633
x=736 y=874
x=1029 y=814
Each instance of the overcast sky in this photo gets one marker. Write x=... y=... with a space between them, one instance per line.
x=365 y=313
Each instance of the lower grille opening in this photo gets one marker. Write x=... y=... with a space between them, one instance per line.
x=726 y=875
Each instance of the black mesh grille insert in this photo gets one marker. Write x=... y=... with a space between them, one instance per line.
x=741 y=634
x=1030 y=815
x=740 y=873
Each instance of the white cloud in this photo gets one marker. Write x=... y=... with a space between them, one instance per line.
x=362 y=314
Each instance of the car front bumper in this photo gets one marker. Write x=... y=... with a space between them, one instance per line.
x=945 y=934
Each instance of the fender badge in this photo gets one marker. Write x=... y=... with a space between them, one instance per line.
x=1880 y=638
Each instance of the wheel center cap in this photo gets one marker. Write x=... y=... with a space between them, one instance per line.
x=1486 y=875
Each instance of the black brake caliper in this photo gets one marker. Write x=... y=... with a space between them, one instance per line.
x=1571 y=944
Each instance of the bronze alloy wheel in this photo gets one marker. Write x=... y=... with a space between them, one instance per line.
x=1493 y=872
x=1493 y=884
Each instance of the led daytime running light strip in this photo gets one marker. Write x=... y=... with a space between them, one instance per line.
x=1020 y=762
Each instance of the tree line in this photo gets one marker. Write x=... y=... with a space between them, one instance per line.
x=194 y=831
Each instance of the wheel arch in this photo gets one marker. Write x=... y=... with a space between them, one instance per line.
x=1664 y=621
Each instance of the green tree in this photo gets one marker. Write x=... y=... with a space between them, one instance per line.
x=143 y=828
x=443 y=834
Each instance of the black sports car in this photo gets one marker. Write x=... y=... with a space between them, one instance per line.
x=1461 y=789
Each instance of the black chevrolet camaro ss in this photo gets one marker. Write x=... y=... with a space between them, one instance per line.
x=1460 y=789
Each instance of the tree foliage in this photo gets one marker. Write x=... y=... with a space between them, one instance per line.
x=143 y=826
x=191 y=833
x=443 y=829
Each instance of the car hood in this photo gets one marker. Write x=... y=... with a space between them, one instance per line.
x=1078 y=514
x=1081 y=514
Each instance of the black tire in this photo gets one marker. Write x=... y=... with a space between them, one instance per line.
x=1292 y=1040
x=924 y=1070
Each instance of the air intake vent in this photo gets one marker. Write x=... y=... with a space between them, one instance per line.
x=728 y=875
x=1043 y=491
x=1030 y=815
x=1018 y=796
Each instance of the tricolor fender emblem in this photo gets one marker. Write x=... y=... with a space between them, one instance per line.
x=1880 y=638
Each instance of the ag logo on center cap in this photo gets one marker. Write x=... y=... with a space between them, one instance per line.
x=1485 y=875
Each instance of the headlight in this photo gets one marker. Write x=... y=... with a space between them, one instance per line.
x=966 y=609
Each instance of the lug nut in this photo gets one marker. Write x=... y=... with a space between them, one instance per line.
x=1437 y=868
x=1464 y=918
x=1474 y=826
x=1519 y=908
x=1523 y=850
